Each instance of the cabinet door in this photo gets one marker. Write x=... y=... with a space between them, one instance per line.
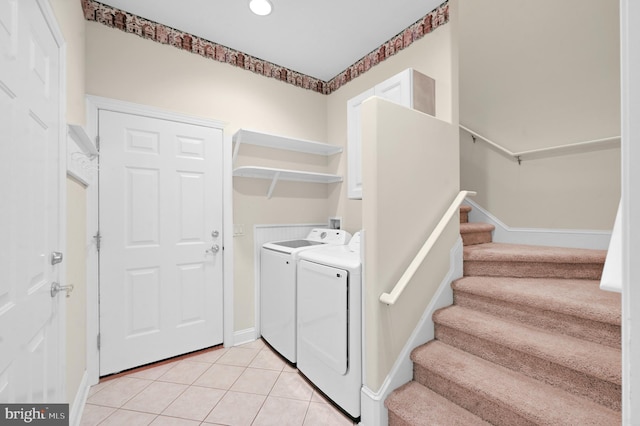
x=397 y=89
x=354 y=144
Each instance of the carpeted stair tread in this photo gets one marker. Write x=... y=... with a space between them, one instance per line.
x=476 y=233
x=584 y=368
x=476 y=227
x=415 y=405
x=499 y=395
x=530 y=253
x=602 y=362
x=579 y=298
x=515 y=260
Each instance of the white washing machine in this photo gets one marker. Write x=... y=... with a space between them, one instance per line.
x=278 y=286
x=330 y=322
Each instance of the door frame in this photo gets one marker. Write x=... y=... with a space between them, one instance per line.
x=81 y=169
x=630 y=105
x=94 y=105
x=52 y=22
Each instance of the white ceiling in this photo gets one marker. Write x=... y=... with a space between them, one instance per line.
x=319 y=40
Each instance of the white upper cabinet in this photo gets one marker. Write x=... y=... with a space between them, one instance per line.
x=354 y=145
x=408 y=88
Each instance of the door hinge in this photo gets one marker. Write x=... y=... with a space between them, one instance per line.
x=98 y=239
x=98 y=341
x=98 y=143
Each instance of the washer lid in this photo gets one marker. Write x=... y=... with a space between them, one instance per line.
x=297 y=243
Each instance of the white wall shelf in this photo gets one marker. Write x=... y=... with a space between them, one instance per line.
x=251 y=137
x=275 y=175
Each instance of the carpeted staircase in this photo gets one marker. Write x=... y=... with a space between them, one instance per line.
x=530 y=340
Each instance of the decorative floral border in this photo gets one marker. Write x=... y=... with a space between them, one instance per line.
x=116 y=18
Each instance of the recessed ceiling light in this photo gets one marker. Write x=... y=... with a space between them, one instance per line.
x=260 y=7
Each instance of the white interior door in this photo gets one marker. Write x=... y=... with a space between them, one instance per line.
x=31 y=349
x=161 y=249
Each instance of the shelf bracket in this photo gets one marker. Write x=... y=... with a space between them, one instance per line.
x=236 y=148
x=273 y=184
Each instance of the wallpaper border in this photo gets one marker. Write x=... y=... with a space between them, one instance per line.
x=116 y=18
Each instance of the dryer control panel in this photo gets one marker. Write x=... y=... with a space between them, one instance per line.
x=329 y=236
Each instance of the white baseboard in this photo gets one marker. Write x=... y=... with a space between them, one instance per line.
x=373 y=411
x=575 y=238
x=247 y=335
x=77 y=407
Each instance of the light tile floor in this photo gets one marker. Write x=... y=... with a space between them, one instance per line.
x=243 y=385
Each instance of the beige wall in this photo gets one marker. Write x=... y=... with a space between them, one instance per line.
x=535 y=75
x=75 y=258
x=432 y=55
x=127 y=67
x=408 y=191
x=71 y=20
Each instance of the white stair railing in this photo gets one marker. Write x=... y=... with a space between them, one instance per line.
x=545 y=152
x=391 y=298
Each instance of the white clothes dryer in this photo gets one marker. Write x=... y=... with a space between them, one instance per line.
x=278 y=286
x=330 y=322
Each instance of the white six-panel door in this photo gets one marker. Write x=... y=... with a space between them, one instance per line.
x=161 y=248
x=30 y=200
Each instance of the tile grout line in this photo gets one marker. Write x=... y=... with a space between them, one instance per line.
x=266 y=396
x=157 y=380
x=283 y=368
x=182 y=393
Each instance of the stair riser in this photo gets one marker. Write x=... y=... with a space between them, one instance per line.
x=395 y=420
x=581 y=384
x=464 y=214
x=597 y=332
x=472 y=238
x=414 y=405
x=532 y=270
x=485 y=408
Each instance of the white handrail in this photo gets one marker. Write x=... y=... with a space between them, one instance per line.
x=518 y=156
x=391 y=298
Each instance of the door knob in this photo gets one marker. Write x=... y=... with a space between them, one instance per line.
x=57 y=288
x=214 y=249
